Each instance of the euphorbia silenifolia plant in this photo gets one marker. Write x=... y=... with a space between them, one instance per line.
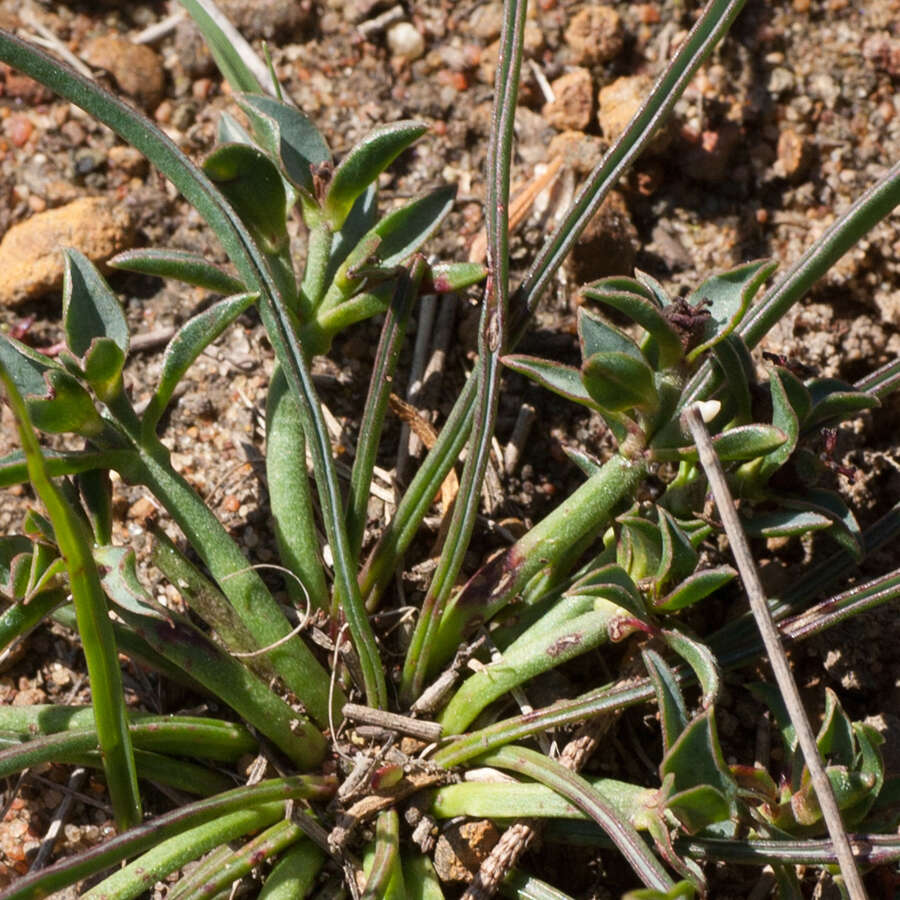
x=606 y=565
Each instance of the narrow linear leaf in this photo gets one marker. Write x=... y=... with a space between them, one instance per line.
x=181 y=265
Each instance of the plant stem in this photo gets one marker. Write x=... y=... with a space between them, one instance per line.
x=777 y=658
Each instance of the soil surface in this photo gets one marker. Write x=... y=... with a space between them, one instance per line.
x=791 y=119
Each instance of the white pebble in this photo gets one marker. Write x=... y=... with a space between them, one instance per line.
x=405 y=41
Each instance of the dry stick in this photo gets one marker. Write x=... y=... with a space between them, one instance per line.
x=519 y=836
x=418 y=728
x=76 y=780
x=513 y=452
x=777 y=658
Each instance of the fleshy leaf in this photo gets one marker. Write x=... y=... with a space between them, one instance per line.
x=673 y=713
x=834 y=399
x=785 y=523
x=650 y=288
x=188 y=343
x=678 y=558
x=67 y=408
x=26 y=367
x=563 y=380
x=645 y=312
x=597 y=336
x=701 y=659
x=639 y=548
x=755 y=783
x=738 y=371
x=294 y=139
x=230 y=131
x=122 y=585
x=698 y=807
x=448 y=278
x=90 y=308
x=617 y=381
x=364 y=163
x=103 y=364
x=784 y=416
x=253 y=186
x=696 y=758
x=845 y=529
x=404 y=230
x=360 y=221
x=743 y=442
x=695 y=588
x=726 y=297
x=835 y=738
x=181 y=265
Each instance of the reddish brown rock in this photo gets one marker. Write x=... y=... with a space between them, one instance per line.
x=136 y=68
x=573 y=106
x=618 y=102
x=707 y=156
x=31 y=263
x=794 y=155
x=595 y=35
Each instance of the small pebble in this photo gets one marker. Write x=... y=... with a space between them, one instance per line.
x=405 y=42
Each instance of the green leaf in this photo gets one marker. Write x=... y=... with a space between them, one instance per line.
x=678 y=558
x=364 y=163
x=188 y=343
x=25 y=366
x=597 y=336
x=288 y=135
x=230 y=131
x=684 y=890
x=698 y=807
x=835 y=738
x=673 y=714
x=647 y=286
x=646 y=312
x=743 y=442
x=118 y=566
x=95 y=490
x=639 y=548
x=563 y=380
x=849 y=789
x=404 y=230
x=844 y=527
x=834 y=399
x=728 y=295
x=785 y=523
x=701 y=659
x=68 y=407
x=738 y=371
x=585 y=461
x=617 y=381
x=360 y=221
x=253 y=186
x=695 y=588
x=696 y=758
x=179 y=264
x=103 y=365
x=784 y=416
x=90 y=308
x=449 y=278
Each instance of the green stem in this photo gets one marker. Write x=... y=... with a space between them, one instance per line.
x=94 y=626
x=315 y=271
x=580 y=792
x=245 y=799
x=170 y=855
x=209 y=880
x=393 y=334
x=501 y=580
x=385 y=865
